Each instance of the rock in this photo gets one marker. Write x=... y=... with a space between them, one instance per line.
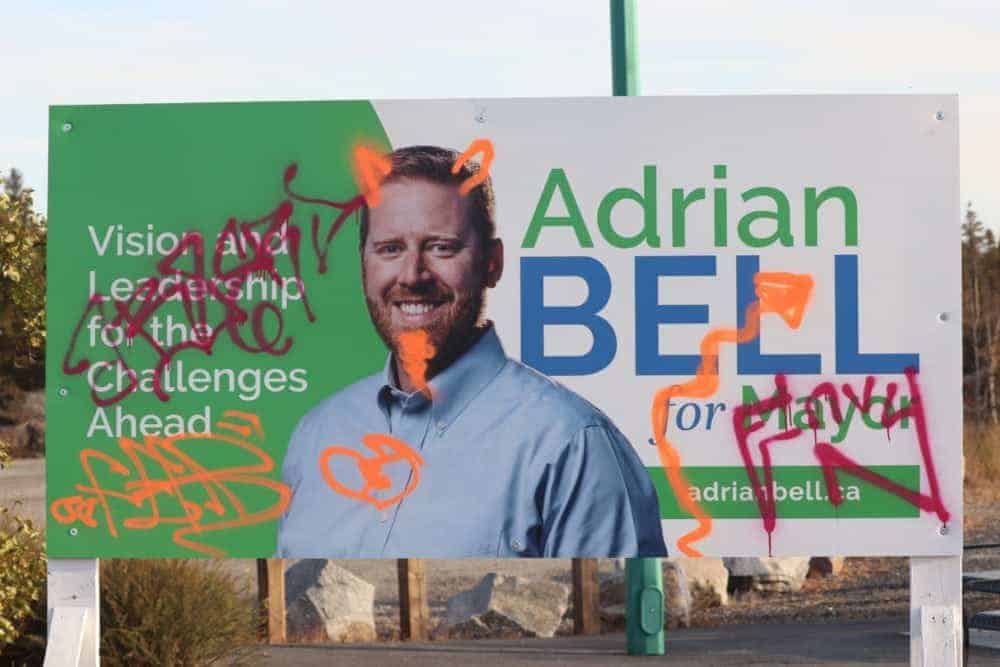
x=774 y=575
x=506 y=606
x=326 y=602
x=825 y=566
x=676 y=598
x=708 y=579
x=33 y=405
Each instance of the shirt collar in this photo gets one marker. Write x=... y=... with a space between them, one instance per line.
x=457 y=385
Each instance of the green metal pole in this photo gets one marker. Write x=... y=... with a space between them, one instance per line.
x=624 y=49
x=643 y=576
x=644 y=606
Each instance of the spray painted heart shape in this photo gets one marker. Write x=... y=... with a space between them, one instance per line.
x=386 y=450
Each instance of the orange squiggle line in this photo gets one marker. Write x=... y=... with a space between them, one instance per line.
x=785 y=294
x=484 y=146
x=415 y=351
x=179 y=471
x=370 y=168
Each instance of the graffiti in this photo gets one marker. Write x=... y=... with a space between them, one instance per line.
x=184 y=275
x=165 y=478
x=244 y=252
x=484 y=146
x=784 y=294
x=386 y=450
x=415 y=351
x=831 y=459
x=370 y=168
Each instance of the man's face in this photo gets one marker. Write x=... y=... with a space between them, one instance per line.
x=424 y=267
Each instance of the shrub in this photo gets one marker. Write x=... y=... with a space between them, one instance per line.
x=23 y=239
x=22 y=590
x=175 y=612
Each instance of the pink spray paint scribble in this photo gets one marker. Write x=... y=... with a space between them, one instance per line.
x=832 y=460
x=183 y=274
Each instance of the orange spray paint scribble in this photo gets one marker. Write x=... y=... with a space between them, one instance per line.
x=207 y=501
x=484 y=146
x=415 y=350
x=370 y=168
x=387 y=450
x=785 y=294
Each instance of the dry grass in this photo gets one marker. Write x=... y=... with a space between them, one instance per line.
x=982 y=461
x=175 y=612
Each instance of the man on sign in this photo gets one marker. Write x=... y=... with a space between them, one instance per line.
x=455 y=450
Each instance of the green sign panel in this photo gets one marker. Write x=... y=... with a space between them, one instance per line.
x=173 y=402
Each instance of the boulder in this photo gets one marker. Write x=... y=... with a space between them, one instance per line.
x=506 y=606
x=825 y=566
x=326 y=602
x=773 y=575
x=676 y=598
x=708 y=579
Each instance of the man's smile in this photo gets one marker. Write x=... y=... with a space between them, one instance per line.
x=417 y=311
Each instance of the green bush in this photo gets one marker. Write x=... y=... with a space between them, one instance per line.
x=22 y=590
x=175 y=612
x=23 y=239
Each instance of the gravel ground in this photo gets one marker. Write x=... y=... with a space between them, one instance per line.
x=866 y=588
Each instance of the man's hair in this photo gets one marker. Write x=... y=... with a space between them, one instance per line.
x=433 y=164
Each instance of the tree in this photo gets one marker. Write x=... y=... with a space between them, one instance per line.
x=23 y=235
x=981 y=316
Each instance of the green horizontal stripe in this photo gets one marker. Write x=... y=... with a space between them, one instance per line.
x=800 y=493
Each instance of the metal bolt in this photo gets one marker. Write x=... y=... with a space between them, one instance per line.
x=943 y=530
x=64 y=392
x=67 y=127
x=73 y=532
x=943 y=317
x=939 y=115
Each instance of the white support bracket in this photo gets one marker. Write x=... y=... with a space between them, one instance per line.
x=936 y=611
x=74 y=613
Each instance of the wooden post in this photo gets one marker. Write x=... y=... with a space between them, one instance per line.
x=271 y=594
x=935 y=611
x=74 y=613
x=414 y=616
x=586 y=597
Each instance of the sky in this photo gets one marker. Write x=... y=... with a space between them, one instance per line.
x=57 y=52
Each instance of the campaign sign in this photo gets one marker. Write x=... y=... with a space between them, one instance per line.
x=505 y=328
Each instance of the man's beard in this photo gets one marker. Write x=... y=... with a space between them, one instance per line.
x=450 y=334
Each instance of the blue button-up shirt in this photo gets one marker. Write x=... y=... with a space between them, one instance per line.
x=512 y=464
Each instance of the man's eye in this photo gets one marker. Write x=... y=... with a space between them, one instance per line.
x=390 y=249
x=443 y=248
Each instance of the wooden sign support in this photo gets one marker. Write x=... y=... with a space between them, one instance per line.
x=935 y=611
x=74 y=613
x=271 y=595
x=414 y=614
x=586 y=597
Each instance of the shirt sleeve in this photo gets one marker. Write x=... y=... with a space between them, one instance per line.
x=598 y=500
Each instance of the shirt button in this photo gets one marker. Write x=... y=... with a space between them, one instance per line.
x=383 y=516
x=515 y=544
x=442 y=425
